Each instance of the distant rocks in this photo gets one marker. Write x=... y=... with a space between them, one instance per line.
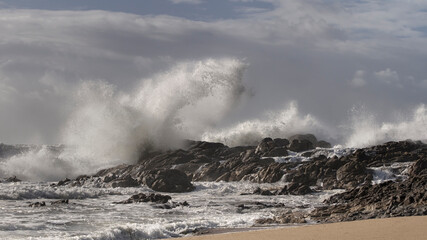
x=37 y=204
x=10 y=180
x=53 y=203
x=60 y=202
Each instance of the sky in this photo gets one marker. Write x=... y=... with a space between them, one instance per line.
x=329 y=64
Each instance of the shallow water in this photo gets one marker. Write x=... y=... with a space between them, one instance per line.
x=91 y=213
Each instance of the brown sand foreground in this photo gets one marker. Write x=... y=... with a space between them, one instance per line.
x=402 y=228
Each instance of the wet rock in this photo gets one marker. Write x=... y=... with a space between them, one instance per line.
x=296 y=189
x=300 y=145
x=281 y=142
x=141 y=197
x=388 y=199
x=269 y=174
x=419 y=167
x=272 y=148
x=352 y=174
x=308 y=137
x=323 y=144
x=10 y=180
x=265 y=146
x=63 y=182
x=59 y=202
x=303 y=140
x=168 y=180
x=37 y=204
x=277 y=152
x=126 y=181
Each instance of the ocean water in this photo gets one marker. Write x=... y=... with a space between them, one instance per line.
x=91 y=213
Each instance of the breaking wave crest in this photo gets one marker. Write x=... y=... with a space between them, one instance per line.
x=109 y=127
x=365 y=129
x=280 y=124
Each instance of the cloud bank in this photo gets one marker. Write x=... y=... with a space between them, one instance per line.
x=302 y=51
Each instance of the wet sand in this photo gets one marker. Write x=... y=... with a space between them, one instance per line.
x=408 y=228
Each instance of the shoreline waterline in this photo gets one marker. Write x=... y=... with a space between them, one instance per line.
x=407 y=228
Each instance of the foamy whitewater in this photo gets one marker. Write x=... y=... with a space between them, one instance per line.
x=91 y=213
x=189 y=101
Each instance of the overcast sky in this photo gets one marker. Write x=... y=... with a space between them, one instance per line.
x=324 y=56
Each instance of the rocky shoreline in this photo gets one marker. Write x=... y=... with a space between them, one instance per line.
x=273 y=160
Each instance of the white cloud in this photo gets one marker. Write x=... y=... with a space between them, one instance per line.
x=388 y=76
x=187 y=1
x=358 y=79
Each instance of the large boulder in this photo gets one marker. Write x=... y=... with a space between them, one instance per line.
x=272 y=148
x=309 y=137
x=300 y=145
x=303 y=138
x=265 y=146
x=168 y=180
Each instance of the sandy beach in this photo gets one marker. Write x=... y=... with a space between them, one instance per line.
x=375 y=229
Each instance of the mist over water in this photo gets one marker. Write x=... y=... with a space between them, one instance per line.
x=110 y=127
x=280 y=124
x=365 y=129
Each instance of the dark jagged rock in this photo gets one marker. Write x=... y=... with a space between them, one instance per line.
x=419 y=167
x=37 y=204
x=388 y=199
x=351 y=174
x=306 y=142
x=125 y=181
x=290 y=189
x=141 y=197
x=168 y=180
x=323 y=144
x=59 y=202
x=351 y=171
x=272 y=148
x=296 y=189
x=61 y=182
x=300 y=145
x=10 y=180
x=161 y=201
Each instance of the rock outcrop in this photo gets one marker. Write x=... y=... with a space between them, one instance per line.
x=141 y=197
x=10 y=180
x=169 y=180
x=364 y=200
